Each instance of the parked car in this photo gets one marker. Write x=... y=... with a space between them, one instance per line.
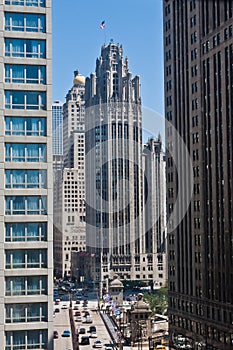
x=82 y=330
x=79 y=319
x=55 y=334
x=77 y=313
x=97 y=344
x=75 y=307
x=57 y=309
x=66 y=333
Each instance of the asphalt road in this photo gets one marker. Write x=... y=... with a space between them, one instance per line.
x=61 y=323
x=102 y=333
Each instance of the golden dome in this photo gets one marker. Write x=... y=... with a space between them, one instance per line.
x=79 y=79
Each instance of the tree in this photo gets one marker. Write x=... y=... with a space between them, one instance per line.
x=158 y=302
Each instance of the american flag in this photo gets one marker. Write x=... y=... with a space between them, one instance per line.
x=102 y=24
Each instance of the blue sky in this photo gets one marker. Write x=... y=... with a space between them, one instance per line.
x=77 y=41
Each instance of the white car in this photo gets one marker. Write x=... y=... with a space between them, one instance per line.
x=97 y=344
x=93 y=335
x=88 y=319
x=79 y=319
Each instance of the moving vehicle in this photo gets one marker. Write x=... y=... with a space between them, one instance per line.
x=97 y=344
x=88 y=319
x=92 y=329
x=66 y=333
x=82 y=331
x=93 y=334
x=85 y=340
x=160 y=347
x=55 y=334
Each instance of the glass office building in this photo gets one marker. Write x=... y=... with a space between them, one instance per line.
x=57 y=112
x=26 y=261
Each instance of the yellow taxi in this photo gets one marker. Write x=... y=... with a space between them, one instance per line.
x=160 y=347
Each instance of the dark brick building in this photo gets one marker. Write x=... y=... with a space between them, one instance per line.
x=198 y=58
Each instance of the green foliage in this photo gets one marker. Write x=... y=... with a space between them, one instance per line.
x=158 y=302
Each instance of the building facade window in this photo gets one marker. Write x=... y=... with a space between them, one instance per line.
x=196 y=137
x=22 y=178
x=25 y=48
x=193 y=21
x=24 y=22
x=36 y=3
x=25 y=74
x=193 y=37
x=23 y=232
x=20 y=152
x=31 y=339
x=194 y=87
x=25 y=205
x=26 y=259
x=33 y=100
x=195 y=120
x=28 y=126
x=193 y=54
x=36 y=312
x=194 y=70
x=30 y=285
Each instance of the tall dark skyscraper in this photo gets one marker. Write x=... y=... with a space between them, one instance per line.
x=198 y=58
